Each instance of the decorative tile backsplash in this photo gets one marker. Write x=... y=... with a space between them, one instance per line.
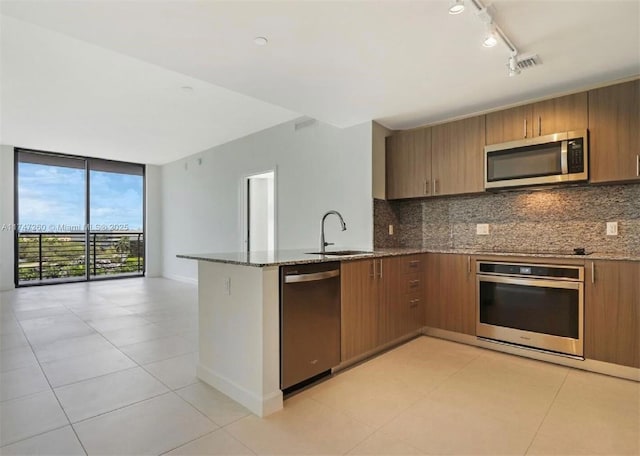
x=548 y=220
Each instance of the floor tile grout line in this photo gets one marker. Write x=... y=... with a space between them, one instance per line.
x=220 y=429
x=54 y=392
x=120 y=408
x=39 y=434
x=555 y=397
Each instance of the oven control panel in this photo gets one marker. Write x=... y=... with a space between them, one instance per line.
x=546 y=271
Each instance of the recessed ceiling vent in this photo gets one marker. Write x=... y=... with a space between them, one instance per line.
x=526 y=62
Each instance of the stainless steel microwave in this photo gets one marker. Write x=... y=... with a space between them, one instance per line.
x=549 y=159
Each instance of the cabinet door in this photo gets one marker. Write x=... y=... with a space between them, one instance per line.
x=391 y=296
x=567 y=113
x=614 y=133
x=408 y=164
x=612 y=312
x=451 y=296
x=359 y=298
x=509 y=125
x=457 y=156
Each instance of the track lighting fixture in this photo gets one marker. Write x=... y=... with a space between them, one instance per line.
x=493 y=35
x=456 y=6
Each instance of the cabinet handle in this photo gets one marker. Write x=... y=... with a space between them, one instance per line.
x=414 y=283
x=468 y=264
x=539 y=125
x=637 y=165
x=435 y=186
x=413 y=303
x=426 y=187
x=414 y=263
x=380 y=268
x=593 y=272
x=372 y=269
x=525 y=128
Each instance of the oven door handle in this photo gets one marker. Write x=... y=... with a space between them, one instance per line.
x=531 y=282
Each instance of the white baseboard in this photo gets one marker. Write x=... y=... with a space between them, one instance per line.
x=180 y=278
x=260 y=405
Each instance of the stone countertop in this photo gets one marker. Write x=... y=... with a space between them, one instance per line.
x=286 y=257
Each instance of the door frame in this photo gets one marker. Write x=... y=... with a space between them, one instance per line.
x=244 y=207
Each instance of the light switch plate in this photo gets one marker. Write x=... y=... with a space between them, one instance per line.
x=390 y=230
x=612 y=228
x=482 y=229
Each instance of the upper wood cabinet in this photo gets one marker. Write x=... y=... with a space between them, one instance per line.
x=509 y=125
x=451 y=293
x=457 y=156
x=612 y=312
x=408 y=164
x=614 y=129
x=568 y=113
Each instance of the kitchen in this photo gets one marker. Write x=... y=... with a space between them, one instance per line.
x=445 y=229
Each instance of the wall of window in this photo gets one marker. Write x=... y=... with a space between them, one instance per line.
x=77 y=218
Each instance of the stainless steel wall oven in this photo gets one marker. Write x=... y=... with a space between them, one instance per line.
x=539 y=306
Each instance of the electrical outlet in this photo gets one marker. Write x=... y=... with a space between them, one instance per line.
x=390 y=230
x=482 y=229
x=227 y=285
x=612 y=228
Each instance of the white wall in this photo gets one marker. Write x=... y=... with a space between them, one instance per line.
x=153 y=233
x=318 y=168
x=6 y=217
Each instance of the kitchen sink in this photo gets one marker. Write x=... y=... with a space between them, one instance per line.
x=342 y=253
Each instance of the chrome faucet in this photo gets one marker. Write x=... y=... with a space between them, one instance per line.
x=323 y=243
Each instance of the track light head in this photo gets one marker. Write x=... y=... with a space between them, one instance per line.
x=456 y=7
x=514 y=68
x=491 y=37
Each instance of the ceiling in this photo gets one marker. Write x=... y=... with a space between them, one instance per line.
x=115 y=68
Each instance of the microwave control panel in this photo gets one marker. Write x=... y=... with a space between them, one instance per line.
x=575 y=149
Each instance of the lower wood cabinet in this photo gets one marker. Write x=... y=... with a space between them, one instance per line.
x=382 y=300
x=360 y=310
x=612 y=312
x=451 y=293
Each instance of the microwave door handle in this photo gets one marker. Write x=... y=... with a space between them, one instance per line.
x=564 y=164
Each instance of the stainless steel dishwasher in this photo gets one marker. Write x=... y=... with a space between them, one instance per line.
x=309 y=321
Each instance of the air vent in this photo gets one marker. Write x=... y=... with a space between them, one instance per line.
x=526 y=62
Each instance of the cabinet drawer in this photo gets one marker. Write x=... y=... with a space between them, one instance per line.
x=413 y=284
x=413 y=264
x=413 y=301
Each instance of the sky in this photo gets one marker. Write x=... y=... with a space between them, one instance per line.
x=50 y=196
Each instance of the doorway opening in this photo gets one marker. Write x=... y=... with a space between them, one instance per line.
x=260 y=210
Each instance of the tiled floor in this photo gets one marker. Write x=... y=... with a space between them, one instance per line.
x=109 y=368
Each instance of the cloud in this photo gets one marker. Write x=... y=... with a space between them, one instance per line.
x=49 y=195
